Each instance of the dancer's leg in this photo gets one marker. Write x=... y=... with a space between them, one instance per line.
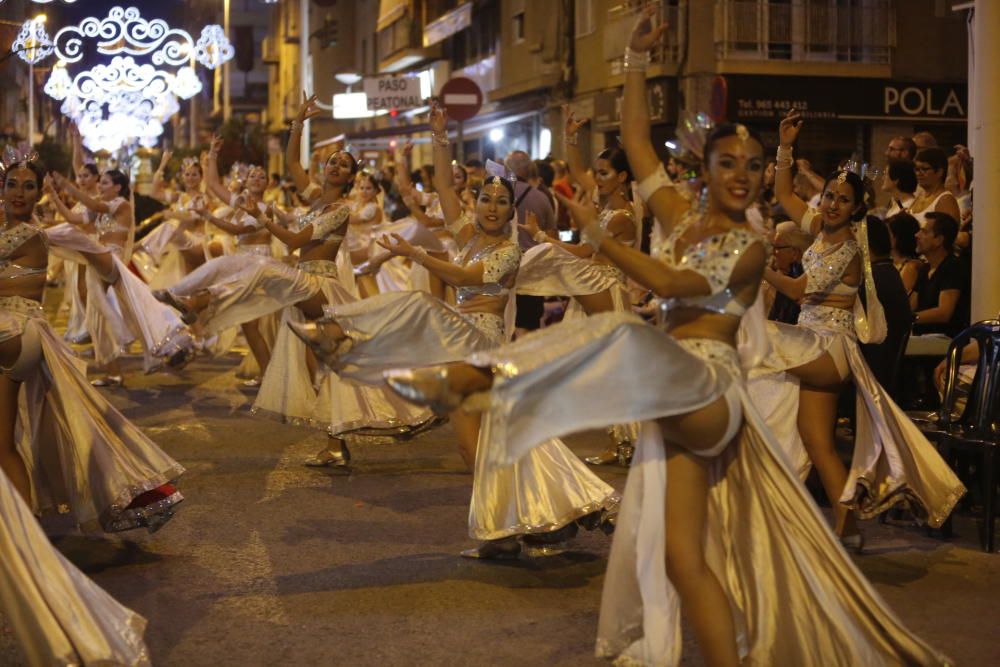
x=596 y=303
x=466 y=425
x=817 y=420
x=367 y=286
x=257 y=344
x=312 y=307
x=702 y=597
x=81 y=283
x=10 y=460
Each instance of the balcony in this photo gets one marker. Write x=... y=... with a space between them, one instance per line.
x=620 y=21
x=400 y=45
x=830 y=34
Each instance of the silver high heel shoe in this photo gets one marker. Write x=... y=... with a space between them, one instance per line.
x=507 y=548
x=327 y=349
x=330 y=459
x=431 y=388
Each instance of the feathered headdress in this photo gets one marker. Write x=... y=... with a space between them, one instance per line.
x=692 y=133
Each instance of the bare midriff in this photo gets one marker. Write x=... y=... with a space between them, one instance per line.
x=492 y=305
x=684 y=322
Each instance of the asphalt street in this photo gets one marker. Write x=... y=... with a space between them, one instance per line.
x=272 y=563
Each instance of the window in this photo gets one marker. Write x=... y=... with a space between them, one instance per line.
x=518 y=27
x=583 y=18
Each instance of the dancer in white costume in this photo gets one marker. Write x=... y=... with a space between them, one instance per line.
x=713 y=518
x=546 y=494
x=366 y=213
x=59 y=616
x=120 y=306
x=66 y=445
x=893 y=461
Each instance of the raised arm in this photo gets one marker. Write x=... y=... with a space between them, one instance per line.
x=453 y=274
x=64 y=211
x=665 y=203
x=293 y=152
x=77 y=149
x=788 y=132
x=577 y=169
x=212 y=180
x=158 y=192
x=451 y=203
x=93 y=204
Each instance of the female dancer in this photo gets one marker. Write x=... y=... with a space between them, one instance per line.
x=366 y=214
x=547 y=493
x=713 y=520
x=931 y=166
x=903 y=228
x=80 y=451
x=893 y=461
x=87 y=174
x=133 y=313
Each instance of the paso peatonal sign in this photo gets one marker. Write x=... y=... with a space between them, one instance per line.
x=753 y=98
x=393 y=92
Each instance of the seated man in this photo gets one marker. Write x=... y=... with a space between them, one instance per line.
x=789 y=244
x=943 y=290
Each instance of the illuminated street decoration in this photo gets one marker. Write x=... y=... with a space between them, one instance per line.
x=32 y=43
x=124 y=31
x=59 y=84
x=213 y=47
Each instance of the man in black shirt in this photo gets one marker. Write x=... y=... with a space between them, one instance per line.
x=943 y=291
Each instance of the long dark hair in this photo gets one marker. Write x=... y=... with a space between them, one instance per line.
x=619 y=161
x=120 y=179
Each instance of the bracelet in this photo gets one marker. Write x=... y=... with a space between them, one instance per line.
x=635 y=61
x=419 y=255
x=541 y=237
x=655 y=181
x=783 y=158
x=296 y=125
x=593 y=235
x=440 y=139
x=572 y=139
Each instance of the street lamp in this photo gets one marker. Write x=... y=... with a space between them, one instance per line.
x=32 y=45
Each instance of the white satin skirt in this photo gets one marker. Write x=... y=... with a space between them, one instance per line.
x=59 y=616
x=80 y=451
x=545 y=490
x=288 y=393
x=76 y=325
x=892 y=462
x=124 y=311
x=796 y=597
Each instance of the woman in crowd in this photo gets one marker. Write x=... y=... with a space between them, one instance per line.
x=366 y=213
x=904 y=227
x=893 y=462
x=87 y=175
x=80 y=451
x=543 y=497
x=931 y=166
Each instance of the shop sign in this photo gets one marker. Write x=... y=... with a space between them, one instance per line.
x=393 y=92
x=608 y=105
x=830 y=98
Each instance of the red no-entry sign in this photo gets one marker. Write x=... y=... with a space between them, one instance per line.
x=461 y=98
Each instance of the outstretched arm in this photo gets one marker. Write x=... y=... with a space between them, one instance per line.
x=577 y=170
x=67 y=214
x=451 y=204
x=293 y=152
x=212 y=180
x=90 y=202
x=788 y=131
x=453 y=274
x=158 y=191
x=666 y=204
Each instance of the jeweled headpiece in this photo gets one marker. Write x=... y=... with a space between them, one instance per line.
x=189 y=161
x=15 y=155
x=842 y=176
x=742 y=132
x=692 y=134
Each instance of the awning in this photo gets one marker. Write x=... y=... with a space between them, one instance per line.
x=390 y=11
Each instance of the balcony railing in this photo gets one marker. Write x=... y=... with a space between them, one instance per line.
x=403 y=33
x=843 y=31
x=620 y=21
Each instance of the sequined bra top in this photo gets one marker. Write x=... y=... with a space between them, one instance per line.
x=107 y=223
x=500 y=261
x=12 y=239
x=713 y=258
x=328 y=225
x=607 y=215
x=824 y=268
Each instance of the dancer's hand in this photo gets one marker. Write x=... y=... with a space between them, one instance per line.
x=309 y=108
x=396 y=245
x=530 y=224
x=58 y=179
x=580 y=208
x=215 y=145
x=573 y=124
x=788 y=130
x=48 y=185
x=438 y=120
x=164 y=160
x=645 y=34
x=407 y=149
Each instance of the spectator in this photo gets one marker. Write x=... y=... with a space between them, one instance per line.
x=901 y=185
x=924 y=140
x=943 y=292
x=901 y=148
x=882 y=357
x=476 y=170
x=561 y=184
x=903 y=229
x=530 y=309
x=931 y=165
x=790 y=243
x=544 y=179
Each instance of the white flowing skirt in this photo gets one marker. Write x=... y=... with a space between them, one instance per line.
x=76 y=325
x=59 y=616
x=796 y=597
x=81 y=452
x=893 y=461
x=124 y=311
x=545 y=490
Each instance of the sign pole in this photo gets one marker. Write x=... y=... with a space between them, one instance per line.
x=460 y=153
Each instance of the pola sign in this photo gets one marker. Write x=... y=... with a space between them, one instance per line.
x=922 y=101
x=393 y=92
